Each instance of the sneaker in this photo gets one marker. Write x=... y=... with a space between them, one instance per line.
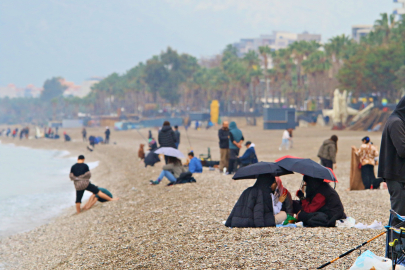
x=170 y=184
x=154 y=182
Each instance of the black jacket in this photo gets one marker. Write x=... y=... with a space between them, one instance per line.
x=392 y=151
x=167 y=137
x=333 y=208
x=254 y=207
x=223 y=136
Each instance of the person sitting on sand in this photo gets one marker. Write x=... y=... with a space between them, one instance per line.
x=194 y=165
x=259 y=205
x=94 y=198
x=281 y=194
x=321 y=205
x=80 y=175
x=171 y=171
x=249 y=157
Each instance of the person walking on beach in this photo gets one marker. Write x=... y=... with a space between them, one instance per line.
x=177 y=133
x=223 y=135
x=327 y=152
x=235 y=144
x=167 y=137
x=80 y=175
x=367 y=154
x=84 y=134
x=8 y=132
x=107 y=135
x=285 y=140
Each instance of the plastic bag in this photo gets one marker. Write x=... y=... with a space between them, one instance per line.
x=346 y=223
x=368 y=260
x=376 y=225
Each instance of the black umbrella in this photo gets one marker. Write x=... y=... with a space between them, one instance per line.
x=254 y=170
x=308 y=167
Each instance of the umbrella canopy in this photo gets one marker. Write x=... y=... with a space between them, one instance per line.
x=308 y=167
x=254 y=170
x=170 y=151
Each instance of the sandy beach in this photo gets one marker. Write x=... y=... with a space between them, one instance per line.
x=180 y=227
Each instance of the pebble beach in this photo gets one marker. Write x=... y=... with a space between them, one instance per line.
x=181 y=227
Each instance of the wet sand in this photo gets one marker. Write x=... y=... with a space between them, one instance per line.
x=180 y=227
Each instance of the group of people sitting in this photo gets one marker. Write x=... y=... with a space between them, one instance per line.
x=267 y=204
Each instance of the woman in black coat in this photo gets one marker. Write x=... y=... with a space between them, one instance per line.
x=254 y=207
x=321 y=206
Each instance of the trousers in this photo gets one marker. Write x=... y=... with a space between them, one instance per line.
x=224 y=161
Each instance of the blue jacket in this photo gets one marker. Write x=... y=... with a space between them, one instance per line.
x=195 y=165
x=249 y=157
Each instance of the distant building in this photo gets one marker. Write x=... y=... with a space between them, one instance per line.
x=400 y=11
x=277 y=40
x=82 y=90
x=359 y=31
x=12 y=91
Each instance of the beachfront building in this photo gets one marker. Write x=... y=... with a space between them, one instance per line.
x=361 y=30
x=401 y=10
x=276 y=40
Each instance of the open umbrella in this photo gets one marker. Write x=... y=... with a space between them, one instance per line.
x=170 y=151
x=308 y=167
x=254 y=170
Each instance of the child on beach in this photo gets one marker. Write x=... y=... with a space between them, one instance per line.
x=80 y=175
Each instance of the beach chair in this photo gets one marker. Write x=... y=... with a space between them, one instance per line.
x=395 y=241
x=206 y=157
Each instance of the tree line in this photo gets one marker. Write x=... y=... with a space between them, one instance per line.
x=301 y=72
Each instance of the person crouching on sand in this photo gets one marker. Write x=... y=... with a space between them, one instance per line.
x=94 y=198
x=80 y=175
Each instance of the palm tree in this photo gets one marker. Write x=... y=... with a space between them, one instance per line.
x=265 y=51
x=254 y=72
x=384 y=26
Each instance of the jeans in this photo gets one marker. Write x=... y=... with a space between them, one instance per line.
x=327 y=163
x=168 y=175
x=285 y=143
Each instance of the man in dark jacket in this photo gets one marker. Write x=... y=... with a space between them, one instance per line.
x=107 y=135
x=177 y=133
x=235 y=144
x=223 y=135
x=249 y=157
x=167 y=137
x=254 y=207
x=392 y=158
x=327 y=152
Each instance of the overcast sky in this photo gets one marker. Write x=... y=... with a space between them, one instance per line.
x=77 y=39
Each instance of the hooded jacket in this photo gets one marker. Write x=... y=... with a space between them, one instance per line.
x=392 y=151
x=254 y=207
x=328 y=150
x=236 y=135
x=249 y=157
x=321 y=198
x=167 y=137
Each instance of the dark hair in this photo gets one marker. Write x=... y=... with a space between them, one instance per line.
x=174 y=161
x=176 y=126
x=191 y=154
x=81 y=157
x=166 y=123
x=335 y=139
x=367 y=139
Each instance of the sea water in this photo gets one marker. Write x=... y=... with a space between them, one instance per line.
x=34 y=187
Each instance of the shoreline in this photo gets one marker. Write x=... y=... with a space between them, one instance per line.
x=58 y=154
x=159 y=227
